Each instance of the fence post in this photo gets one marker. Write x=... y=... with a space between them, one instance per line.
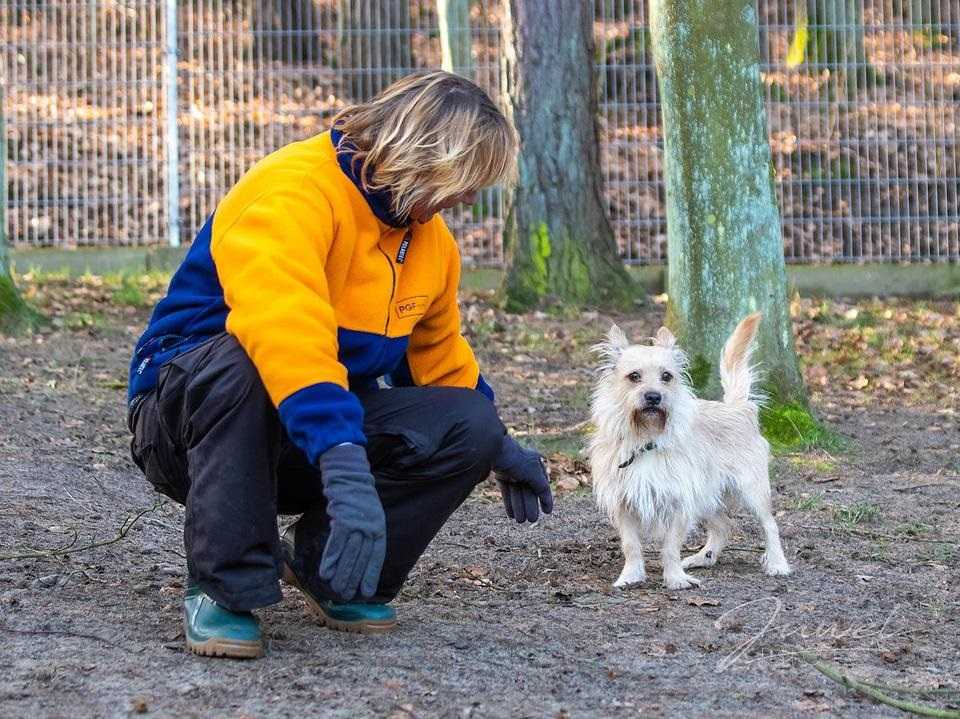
x=172 y=139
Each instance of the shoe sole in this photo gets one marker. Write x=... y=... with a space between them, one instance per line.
x=339 y=625
x=228 y=648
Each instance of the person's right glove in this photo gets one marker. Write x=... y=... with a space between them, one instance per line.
x=522 y=476
x=353 y=556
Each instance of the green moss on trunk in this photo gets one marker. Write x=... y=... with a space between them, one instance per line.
x=15 y=314
x=560 y=247
x=790 y=427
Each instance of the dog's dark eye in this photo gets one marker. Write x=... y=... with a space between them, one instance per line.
x=634 y=376
x=666 y=377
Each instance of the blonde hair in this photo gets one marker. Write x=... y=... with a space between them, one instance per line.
x=427 y=138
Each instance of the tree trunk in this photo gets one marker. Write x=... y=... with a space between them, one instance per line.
x=828 y=35
x=456 y=44
x=14 y=312
x=723 y=224
x=287 y=31
x=928 y=25
x=557 y=238
x=374 y=44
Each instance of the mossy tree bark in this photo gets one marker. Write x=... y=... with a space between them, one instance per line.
x=374 y=44
x=723 y=225
x=559 y=243
x=456 y=43
x=14 y=312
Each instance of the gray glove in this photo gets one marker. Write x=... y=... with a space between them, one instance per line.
x=522 y=476
x=353 y=556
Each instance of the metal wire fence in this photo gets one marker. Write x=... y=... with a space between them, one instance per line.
x=862 y=104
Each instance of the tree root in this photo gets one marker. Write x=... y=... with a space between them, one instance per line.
x=873 y=690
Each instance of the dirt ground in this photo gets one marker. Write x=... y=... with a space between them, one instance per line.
x=498 y=620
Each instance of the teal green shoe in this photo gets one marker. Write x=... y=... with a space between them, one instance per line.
x=356 y=617
x=213 y=631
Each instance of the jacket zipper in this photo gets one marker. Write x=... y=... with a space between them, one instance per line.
x=393 y=289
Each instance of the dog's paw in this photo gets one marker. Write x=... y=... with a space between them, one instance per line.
x=700 y=559
x=629 y=579
x=680 y=581
x=776 y=569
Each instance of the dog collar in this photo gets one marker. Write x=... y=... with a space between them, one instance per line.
x=648 y=447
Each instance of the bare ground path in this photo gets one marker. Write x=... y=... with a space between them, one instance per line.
x=497 y=620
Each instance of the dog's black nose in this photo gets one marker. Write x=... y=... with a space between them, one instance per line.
x=652 y=398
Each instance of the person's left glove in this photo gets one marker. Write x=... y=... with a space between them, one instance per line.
x=522 y=476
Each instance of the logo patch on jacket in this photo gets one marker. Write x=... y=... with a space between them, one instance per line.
x=412 y=306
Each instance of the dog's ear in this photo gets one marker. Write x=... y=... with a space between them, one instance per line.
x=665 y=338
x=611 y=348
x=617 y=339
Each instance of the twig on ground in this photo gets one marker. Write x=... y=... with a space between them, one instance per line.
x=456 y=544
x=864 y=688
x=921 y=486
x=755 y=550
x=881 y=535
x=65 y=547
x=124 y=528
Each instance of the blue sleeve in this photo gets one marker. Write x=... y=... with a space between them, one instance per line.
x=322 y=416
x=485 y=389
x=402 y=377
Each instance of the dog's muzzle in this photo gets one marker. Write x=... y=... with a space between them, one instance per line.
x=650 y=416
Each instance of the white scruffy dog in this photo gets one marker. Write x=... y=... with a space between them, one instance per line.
x=663 y=460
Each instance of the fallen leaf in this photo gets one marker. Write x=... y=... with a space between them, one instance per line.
x=703 y=602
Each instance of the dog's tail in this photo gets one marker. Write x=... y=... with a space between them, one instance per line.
x=736 y=372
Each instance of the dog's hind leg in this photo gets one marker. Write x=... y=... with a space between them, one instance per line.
x=634 y=571
x=673 y=575
x=718 y=533
x=756 y=498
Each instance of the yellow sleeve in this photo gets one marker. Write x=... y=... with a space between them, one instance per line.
x=271 y=260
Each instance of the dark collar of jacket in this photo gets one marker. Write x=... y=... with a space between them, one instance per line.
x=380 y=202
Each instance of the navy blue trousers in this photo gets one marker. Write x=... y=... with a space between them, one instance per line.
x=209 y=437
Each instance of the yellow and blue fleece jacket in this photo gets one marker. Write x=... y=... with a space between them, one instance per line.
x=323 y=287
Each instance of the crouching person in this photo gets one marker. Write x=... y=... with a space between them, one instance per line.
x=307 y=359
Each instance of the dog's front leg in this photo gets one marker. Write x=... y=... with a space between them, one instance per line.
x=673 y=575
x=634 y=571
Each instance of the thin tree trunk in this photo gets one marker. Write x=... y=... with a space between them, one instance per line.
x=723 y=224
x=925 y=17
x=557 y=237
x=14 y=312
x=456 y=43
x=287 y=31
x=375 y=44
x=829 y=35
